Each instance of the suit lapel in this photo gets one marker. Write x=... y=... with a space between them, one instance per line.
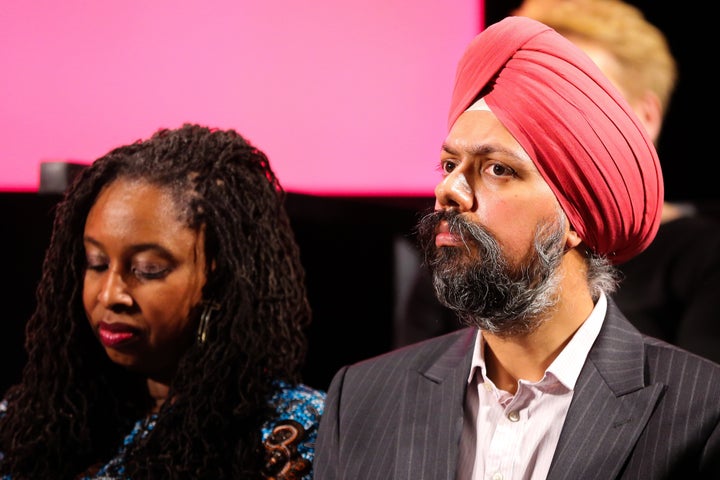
x=433 y=421
x=610 y=406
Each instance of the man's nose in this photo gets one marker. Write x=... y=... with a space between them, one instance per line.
x=454 y=191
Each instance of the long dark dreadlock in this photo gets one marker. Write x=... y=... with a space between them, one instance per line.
x=73 y=406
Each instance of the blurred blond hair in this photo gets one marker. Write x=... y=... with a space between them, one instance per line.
x=640 y=48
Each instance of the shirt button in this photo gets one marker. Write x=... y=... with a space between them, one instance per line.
x=497 y=476
x=514 y=416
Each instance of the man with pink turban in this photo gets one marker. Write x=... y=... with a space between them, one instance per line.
x=548 y=180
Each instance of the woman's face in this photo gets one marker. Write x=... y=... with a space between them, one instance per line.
x=145 y=271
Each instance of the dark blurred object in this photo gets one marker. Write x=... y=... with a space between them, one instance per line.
x=27 y=220
x=670 y=291
x=55 y=177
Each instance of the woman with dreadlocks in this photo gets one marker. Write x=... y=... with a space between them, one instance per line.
x=168 y=334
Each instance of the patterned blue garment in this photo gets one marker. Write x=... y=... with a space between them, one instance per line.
x=289 y=438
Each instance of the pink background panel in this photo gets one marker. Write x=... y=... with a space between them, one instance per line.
x=344 y=97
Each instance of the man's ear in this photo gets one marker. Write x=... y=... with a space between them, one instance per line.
x=572 y=239
x=650 y=113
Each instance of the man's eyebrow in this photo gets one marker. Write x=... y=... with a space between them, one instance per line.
x=483 y=149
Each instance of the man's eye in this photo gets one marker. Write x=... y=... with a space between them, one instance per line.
x=447 y=166
x=501 y=170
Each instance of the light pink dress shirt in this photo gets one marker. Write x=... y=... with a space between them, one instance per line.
x=508 y=437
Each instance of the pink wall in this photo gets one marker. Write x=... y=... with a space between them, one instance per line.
x=344 y=97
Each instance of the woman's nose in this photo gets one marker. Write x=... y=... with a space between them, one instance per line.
x=114 y=290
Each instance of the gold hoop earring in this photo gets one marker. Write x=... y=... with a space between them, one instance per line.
x=207 y=311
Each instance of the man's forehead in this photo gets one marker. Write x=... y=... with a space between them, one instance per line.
x=479 y=104
x=478 y=134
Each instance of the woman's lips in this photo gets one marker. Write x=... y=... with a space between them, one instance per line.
x=115 y=334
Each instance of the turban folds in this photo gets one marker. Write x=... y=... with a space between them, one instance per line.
x=578 y=129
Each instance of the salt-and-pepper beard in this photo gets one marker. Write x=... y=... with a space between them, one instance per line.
x=482 y=287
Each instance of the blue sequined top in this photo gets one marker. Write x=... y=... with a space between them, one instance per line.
x=289 y=438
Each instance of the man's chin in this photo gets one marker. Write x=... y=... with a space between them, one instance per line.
x=450 y=258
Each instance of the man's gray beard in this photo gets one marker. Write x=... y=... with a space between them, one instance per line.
x=485 y=290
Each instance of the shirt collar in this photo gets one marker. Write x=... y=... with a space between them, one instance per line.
x=567 y=365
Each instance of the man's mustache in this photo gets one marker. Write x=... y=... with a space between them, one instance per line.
x=459 y=225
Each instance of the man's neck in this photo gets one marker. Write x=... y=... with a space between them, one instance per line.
x=527 y=357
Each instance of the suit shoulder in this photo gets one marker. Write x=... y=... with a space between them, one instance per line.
x=420 y=354
x=665 y=359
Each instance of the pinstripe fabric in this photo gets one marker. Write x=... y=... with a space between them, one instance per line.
x=642 y=409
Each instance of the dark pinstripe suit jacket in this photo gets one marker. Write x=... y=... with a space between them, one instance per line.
x=642 y=409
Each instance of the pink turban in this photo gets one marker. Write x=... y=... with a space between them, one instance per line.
x=578 y=129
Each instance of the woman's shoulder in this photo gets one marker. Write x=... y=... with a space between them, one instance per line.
x=289 y=437
x=298 y=402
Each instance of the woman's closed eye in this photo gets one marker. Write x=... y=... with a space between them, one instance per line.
x=96 y=263
x=142 y=271
x=97 y=267
x=150 y=271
